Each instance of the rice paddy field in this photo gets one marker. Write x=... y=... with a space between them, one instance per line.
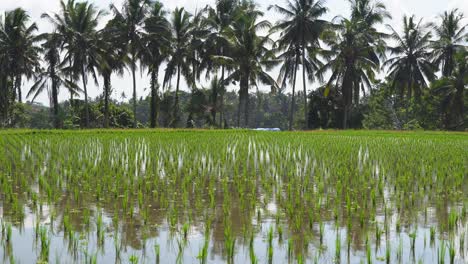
x=177 y=196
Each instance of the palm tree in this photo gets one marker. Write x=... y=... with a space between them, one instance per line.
x=157 y=46
x=83 y=51
x=218 y=21
x=452 y=90
x=5 y=97
x=76 y=27
x=112 y=60
x=300 y=30
x=249 y=55
x=179 y=63
x=355 y=50
x=411 y=65
x=63 y=29
x=352 y=63
x=450 y=36
x=51 y=75
x=129 y=26
x=19 y=45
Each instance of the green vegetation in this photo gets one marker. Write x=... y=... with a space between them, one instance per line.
x=231 y=191
x=216 y=60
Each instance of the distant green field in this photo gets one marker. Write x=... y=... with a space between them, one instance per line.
x=233 y=196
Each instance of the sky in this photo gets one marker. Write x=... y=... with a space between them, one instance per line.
x=427 y=9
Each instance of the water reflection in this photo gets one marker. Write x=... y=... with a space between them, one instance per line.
x=122 y=200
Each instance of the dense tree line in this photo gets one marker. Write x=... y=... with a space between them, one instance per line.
x=230 y=44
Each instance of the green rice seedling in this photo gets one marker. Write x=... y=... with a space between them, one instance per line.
x=280 y=234
x=452 y=252
x=452 y=220
x=185 y=229
x=180 y=252
x=338 y=248
x=378 y=234
x=441 y=253
x=45 y=244
x=253 y=258
x=368 y=252
x=321 y=228
x=399 y=254
x=412 y=237
x=388 y=253
x=203 y=254
x=432 y=232
x=290 y=248
x=270 y=245
x=9 y=232
x=133 y=259
x=398 y=226
x=157 y=252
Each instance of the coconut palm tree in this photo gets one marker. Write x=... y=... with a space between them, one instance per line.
x=300 y=30
x=63 y=29
x=179 y=63
x=249 y=56
x=372 y=12
x=130 y=28
x=218 y=20
x=5 y=87
x=411 y=64
x=52 y=76
x=157 y=46
x=356 y=47
x=112 y=59
x=352 y=62
x=19 y=41
x=450 y=35
x=452 y=91
x=81 y=44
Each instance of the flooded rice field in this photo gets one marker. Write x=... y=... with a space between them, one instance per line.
x=233 y=197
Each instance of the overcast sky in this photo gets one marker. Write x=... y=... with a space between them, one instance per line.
x=428 y=9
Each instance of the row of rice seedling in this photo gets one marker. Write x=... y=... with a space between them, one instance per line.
x=232 y=196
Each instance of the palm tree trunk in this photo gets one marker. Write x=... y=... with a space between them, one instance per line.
x=239 y=107
x=55 y=101
x=259 y=107
x=214 y=95
x=154 y=98
x=246 y=99
x=244 y=83
x=293 y=98
x=83 y=77
x=4 y=99
x=175 y=110
x=18 y=88
x=246 y=107
x=107 y=88
x=347 y=92
x=71 y=80
x=459 y=102
x=410 y=87
x=134 y=92
x=306 y=123
x=221 y=99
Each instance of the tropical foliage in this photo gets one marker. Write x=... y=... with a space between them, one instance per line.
x=218 y=61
